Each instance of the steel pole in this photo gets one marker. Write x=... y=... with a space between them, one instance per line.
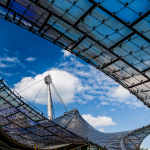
x=49 y=103
x=48 y=81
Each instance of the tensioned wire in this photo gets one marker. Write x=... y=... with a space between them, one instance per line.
x=59 y=97
x=30 y=86
x=38 y=93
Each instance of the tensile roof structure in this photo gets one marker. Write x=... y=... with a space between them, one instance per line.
x=23 y=125
x=111 y=35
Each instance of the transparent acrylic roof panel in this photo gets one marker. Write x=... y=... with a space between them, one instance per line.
x=27 y=125
x=111 y=35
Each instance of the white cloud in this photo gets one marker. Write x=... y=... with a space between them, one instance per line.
x=11 y=62
x=88 y=97
x=79 y=65
x=66 y=53
x=95 y=92
x=8 y=74
x=99 y=120
x=2 y=65
x=32 y=72
x=66 y=84
x=30 y=59
x=10 y=59
x=134 y=103
x=104 y=103
x=112 y=109
x=121 y=93
x=143 y=147
x=84 y=74
x=82 y=102
x=96 y=85
x=102 y=97
x=101 y=130
x=4 y=50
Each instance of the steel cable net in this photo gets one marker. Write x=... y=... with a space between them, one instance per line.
x=111 y=35
x=27 y=125
x=113 y=39
x=120 y=140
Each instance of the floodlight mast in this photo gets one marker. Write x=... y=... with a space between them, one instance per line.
x=48 y=81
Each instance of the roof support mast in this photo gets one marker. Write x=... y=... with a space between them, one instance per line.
x=48 y=81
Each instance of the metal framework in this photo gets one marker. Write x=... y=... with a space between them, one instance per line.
x=113 y=39
x=27 y=125
x=127 y=140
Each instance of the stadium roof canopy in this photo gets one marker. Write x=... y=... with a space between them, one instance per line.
x=112 y=35
x=26 y=125
x=126 y=140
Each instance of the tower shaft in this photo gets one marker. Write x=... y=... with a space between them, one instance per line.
x=49 y=103
x=48 y=81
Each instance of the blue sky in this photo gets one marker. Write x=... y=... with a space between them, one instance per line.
x=26 y=58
